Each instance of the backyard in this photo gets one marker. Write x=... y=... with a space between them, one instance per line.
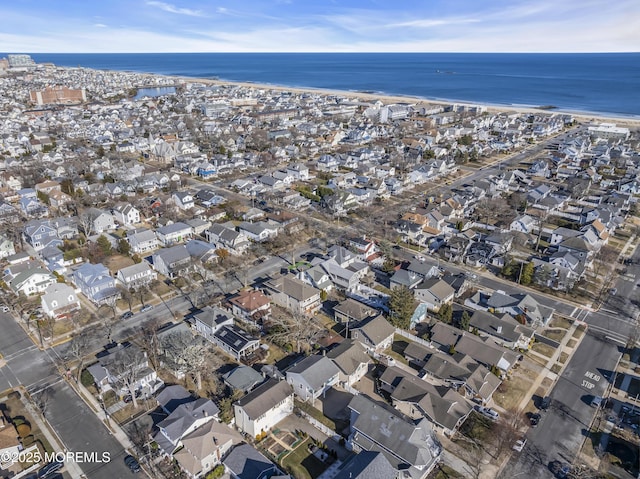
x=302 y=463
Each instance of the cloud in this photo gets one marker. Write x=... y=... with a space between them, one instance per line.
x=167 y=7
x=99 y=25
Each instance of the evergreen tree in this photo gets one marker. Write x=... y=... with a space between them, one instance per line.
x=465 y=319
x=445 y=313
x=526 y=277
x=401 y=307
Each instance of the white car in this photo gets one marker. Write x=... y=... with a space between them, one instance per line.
x=488 y=412
x=519 y=445
x=420 y=258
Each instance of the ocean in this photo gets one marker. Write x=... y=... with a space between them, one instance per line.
x=605 y=84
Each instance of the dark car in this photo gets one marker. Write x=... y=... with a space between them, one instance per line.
x=50 y=469
x=545 y=403
x=126 y=315
x=132 y=463
x=535 y=419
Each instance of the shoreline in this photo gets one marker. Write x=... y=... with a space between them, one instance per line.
x=388 y=98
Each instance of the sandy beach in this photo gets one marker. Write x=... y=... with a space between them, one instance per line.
x=587 y=117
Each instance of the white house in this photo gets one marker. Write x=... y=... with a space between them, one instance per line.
x=183 y=200
x=523 y=224
x=126 y=214
x=136 y=275
x=59 y=300
x=312 y=377
x=174 y=233
x=264 y=407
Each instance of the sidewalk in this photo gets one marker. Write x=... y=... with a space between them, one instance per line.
x=552 y=360
x=111 y=425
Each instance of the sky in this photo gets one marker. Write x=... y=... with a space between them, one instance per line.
x=132 y=26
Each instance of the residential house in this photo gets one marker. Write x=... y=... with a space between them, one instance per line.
x=434 y=293
x=291 y=293
x=242 y=378
x=351 y=311
x=183 y=200
x=10 y=446
x=96 y=283
x=312 y=377
x=182 y=421
x=59 y=301
x=259 y=231
x=505 y=329
x=28 y=278
x=411 y=448
x=251 y=305
x=126 y=214
x=172 y=262
x=96 y=221
x=217 y=325
x=142 y=241
x=114 y=369
x=416 y=398
x=227 y=238
x=523 y=224
x=174 y=233
x=483 y=350
x=467 y=376
x=517 y=305
x=246 y=462
x=367 y=465
x=136 y=276
x=259 y=411
x=352 y=360
x=40 y=234
x=375 y=334
x=203 y=449
x=6 y=247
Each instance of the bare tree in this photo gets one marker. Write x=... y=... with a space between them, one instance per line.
x=43 y=398
x=78 y=349
x=147 y=339
x=506 y=431
x=85 y=221
x=293 y=328
x=125 y=366
x=187 y=354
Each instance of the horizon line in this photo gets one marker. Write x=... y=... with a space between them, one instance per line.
x=332 y=52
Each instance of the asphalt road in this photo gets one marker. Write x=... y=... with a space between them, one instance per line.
x=75 y=423
x=563 y=426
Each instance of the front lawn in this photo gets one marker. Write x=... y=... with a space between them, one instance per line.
x=511 y=392
x=543 y=349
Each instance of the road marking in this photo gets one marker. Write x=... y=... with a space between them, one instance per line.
x=587 y=384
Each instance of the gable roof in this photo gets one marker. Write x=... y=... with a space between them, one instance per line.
x=265 y=397
x=367 y=465
x=315 y=369
x=376 y=329
x=246 y=462
x=348 y=356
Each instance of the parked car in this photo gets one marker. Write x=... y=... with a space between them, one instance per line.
x=596 y=401
x=126 y=315
x=4 y=308
x=146 y=307
x=132 y=463
x=545 y=403
x=49 y=469
x=519 y=445
x=488 y=412
x=535 y=419
x=613 y=291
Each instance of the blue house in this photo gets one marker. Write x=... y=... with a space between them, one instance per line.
x=40 y=234
x=206 y=170
x=96 y=283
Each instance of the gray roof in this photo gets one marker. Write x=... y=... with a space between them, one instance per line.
x=173 y=228
x=173 y=396
x=183 y=416
x=375 y=329
x=367 y=465
x=243 y=378
x=265 y=397
x=380 y=428
x=315 y=369
x=349 y=355
x=173 y=254
x=510 y=329
x=246 y=462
